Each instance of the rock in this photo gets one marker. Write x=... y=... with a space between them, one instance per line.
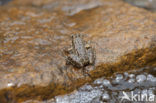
x=2 y=2
x=148 y=4
x=141 y=78
x=34 y=33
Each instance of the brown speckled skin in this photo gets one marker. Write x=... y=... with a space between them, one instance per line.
x=80 y=55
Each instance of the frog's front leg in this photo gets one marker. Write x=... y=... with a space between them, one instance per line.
x=75 y=61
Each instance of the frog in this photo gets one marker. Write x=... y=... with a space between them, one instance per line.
x=80 y=54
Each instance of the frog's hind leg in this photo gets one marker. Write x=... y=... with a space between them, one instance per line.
x=75 y=61
x=91 y=55
x=90 y=52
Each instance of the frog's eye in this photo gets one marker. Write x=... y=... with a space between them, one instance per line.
x=87 y=46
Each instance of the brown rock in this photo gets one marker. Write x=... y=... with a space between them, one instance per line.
x=32 y=37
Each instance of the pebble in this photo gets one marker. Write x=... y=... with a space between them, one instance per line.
x=151 y=78
x=118 y=78
x=105 y=96
x=140 y=78
x=106 y=82
x=131 y=81
x=131 y=75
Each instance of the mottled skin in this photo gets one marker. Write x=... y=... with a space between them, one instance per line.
x=81 y=54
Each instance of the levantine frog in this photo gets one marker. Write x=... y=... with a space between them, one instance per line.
x=80 y=54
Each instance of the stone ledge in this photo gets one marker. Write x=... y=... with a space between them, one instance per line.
x=32 y=39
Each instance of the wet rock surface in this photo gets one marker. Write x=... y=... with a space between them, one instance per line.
x=33 y=34
x=110 y=90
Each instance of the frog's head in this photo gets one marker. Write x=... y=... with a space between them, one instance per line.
x=76 y=36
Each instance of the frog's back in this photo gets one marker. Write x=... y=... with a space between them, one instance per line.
x=78 y=44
